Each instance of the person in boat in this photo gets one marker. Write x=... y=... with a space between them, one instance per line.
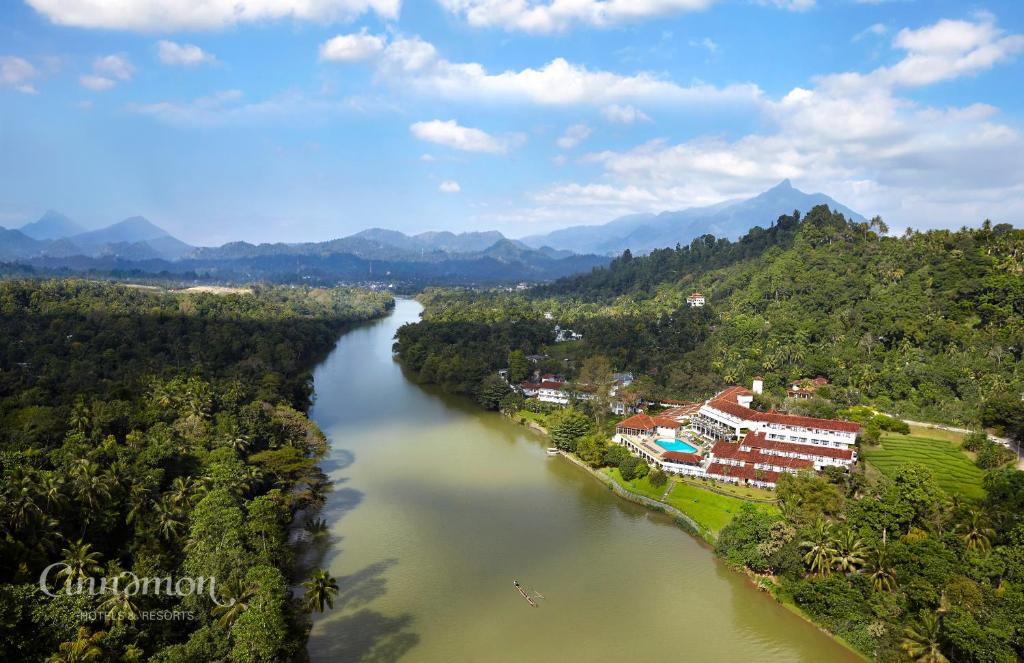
x=516 y=583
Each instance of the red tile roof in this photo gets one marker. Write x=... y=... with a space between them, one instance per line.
x=548 y=384
x=680 y=457
x=725 y=402
x=759 y=441
x=732 y=451
x=647 y=422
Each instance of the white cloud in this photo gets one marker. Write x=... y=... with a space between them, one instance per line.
x=449 y=186
x=873 y=30
x=451 y=134
x=106 y=72
x=950 y=49
x=706 y=43
x=96 y=83
x=17 y=73
x=540 y=16
x=573 y=136
x=231 y=107
x=352 y=47
x=427 y=157
x=790 y=5
x=116 y=66
x=170 y=15
x=187 y=55
x=417 y=65
x=850 y=135
x=624 y=114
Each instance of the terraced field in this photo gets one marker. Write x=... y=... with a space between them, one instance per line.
x=953 y=469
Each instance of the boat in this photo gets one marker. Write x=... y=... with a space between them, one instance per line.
x=524 y=594
x=553 y=451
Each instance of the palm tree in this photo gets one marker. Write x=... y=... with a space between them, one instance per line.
x=80 y=562
x=849 y=551
x=977 y=535
x=883 y=578
x=234 y=600
x=119 y=607
x=90 y=485
x=84 y=648
x=52 y=490
x=921 y=640
x=182 y=491
x=168 y=519
x=320 y=590
x=819 y=548
x=21 y=503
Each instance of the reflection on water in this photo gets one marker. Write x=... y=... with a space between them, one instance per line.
x=437 y=507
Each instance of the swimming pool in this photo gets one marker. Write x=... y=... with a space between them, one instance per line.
x=676 y=445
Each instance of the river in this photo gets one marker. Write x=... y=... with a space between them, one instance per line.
x=438 y=506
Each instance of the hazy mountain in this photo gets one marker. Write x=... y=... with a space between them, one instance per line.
x=468 y=242
x=15 y=244
x=643 y=232
x=134 y=238
x=52 y=225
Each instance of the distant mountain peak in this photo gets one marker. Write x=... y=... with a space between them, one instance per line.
x=51 y=225
x=784 y=185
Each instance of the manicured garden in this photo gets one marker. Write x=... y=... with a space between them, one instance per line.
x=954 y=471
x=710 y=510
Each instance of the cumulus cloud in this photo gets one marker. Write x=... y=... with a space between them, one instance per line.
x=624 y=114
x=851 y=135
x=231 y=107
x=417 y=65
x=17 y=73
x=107 y=71
x=873 y=30
x=167 y=15
x=573 y=136
x=449 y=186
x=186 y=55
x=451 y=134
x=559 y=15
x=352 y=47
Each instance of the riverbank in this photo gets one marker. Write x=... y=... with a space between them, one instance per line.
x=702 y=527
x=700 y=510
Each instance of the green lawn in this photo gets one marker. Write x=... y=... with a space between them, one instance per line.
x=711 y=510
x=953 y=469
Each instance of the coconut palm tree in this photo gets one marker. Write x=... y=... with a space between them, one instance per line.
x=921 y=640
x=234 y=600
x=168 y=519
x=84 y=648
x=849 y=551
x=51 y=489
x=883 y=577
x=819 y=548
x=976 y=534
x=80 y=561
x=90 y=486
x=22 y=507
x=119 y=607
x=320 y=590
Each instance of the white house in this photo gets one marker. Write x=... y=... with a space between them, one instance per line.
x=696 y=300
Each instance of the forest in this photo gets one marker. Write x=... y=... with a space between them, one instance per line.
x=928 y=325
x=161 y=434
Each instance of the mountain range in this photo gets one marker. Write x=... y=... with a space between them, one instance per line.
x=481 y=257
x=641 y=233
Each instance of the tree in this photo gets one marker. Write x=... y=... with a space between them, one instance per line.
x=234 y=598
x=80 y=562
x=975 y=532
x=883 y=578
x=657 y=478
x=921 y=640
x=849 y=551
x=84 y=648
x=491 y=392
x=567 y=427
x=518 y=366
x=320 y=591
x=820 y=551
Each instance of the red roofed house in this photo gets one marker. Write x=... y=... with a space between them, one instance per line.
x=695 y=300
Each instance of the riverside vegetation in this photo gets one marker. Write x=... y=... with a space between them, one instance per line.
x=163 y=434
x=917 y=561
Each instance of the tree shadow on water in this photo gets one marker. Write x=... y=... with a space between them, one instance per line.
x=339 y=459
x=340 y=502
x=368 y=636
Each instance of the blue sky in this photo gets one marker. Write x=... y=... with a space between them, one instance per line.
x=298 y=120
